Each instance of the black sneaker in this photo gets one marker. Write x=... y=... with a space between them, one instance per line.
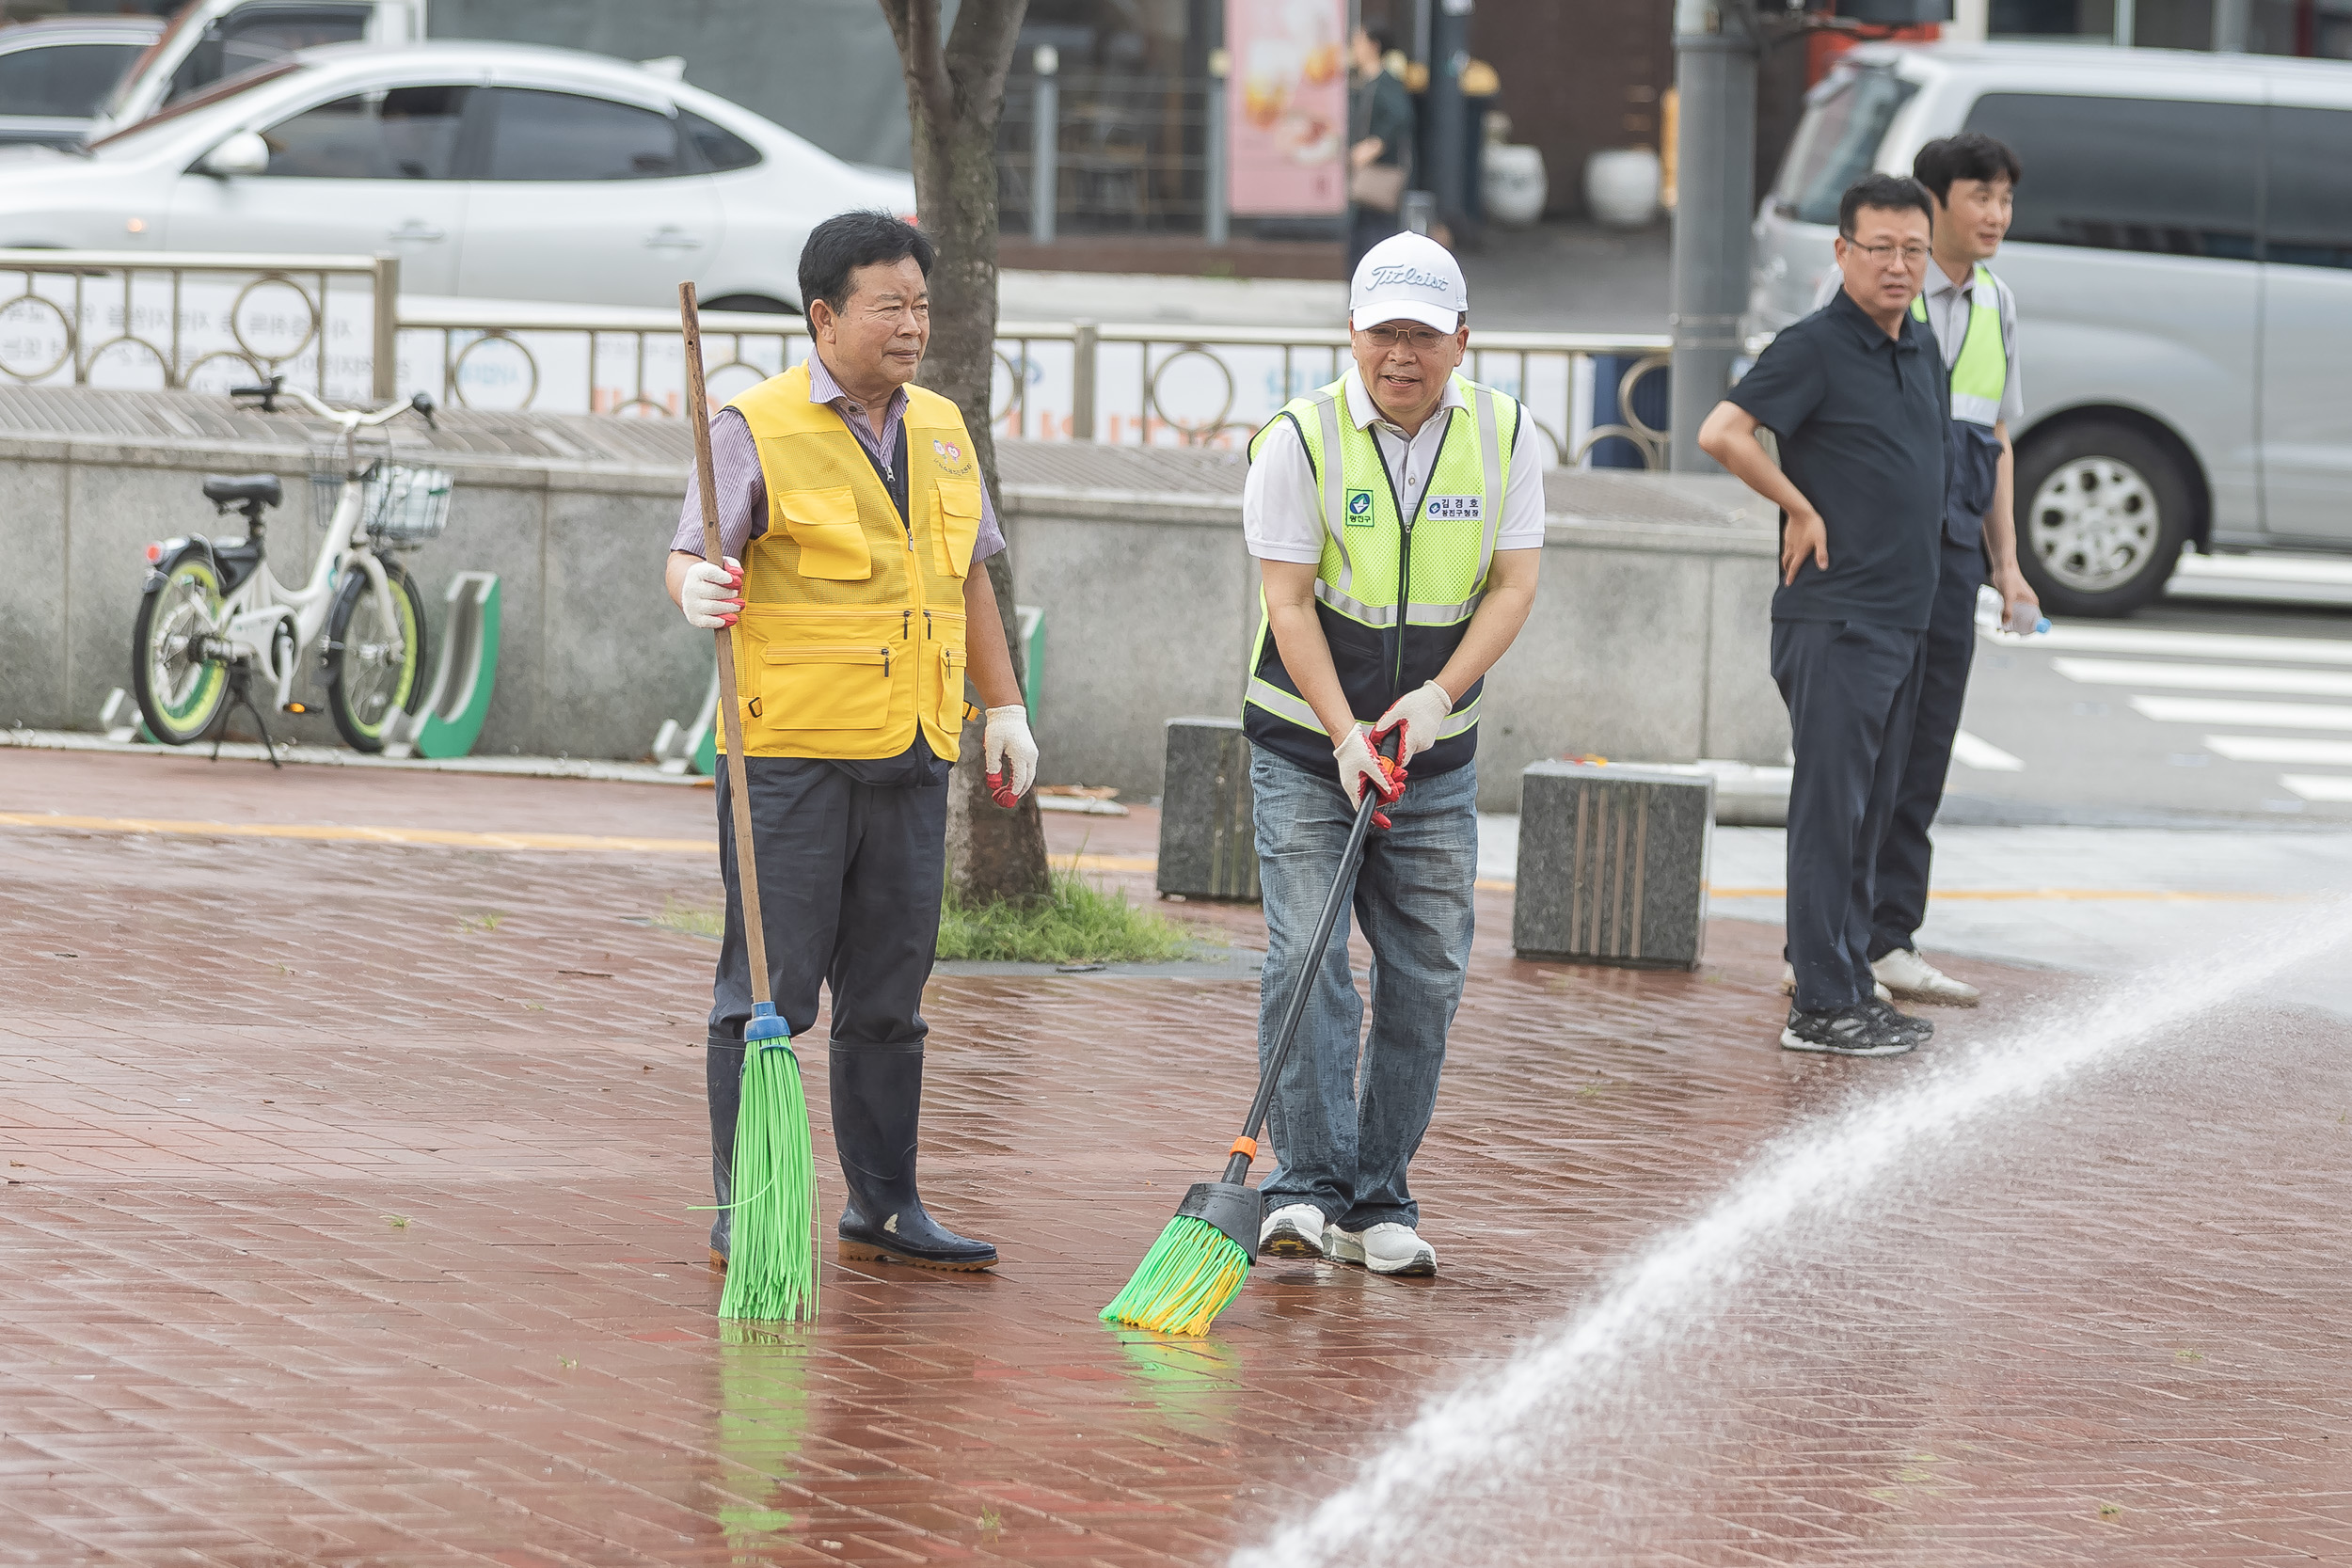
x=1853 y=1031
x=1920 y=1029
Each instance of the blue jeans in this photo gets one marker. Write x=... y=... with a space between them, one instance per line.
x=1344 y=1147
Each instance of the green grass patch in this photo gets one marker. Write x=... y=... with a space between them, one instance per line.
x=1079 y=923
x=692 y=919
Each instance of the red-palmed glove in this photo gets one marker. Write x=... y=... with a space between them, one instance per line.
x=1420 y=713
x=1010 y=753
x=1360 y=763
x=711 y=596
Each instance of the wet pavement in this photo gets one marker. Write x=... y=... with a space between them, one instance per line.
x=350 y=1220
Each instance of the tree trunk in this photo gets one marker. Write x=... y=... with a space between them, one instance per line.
x=955 y=93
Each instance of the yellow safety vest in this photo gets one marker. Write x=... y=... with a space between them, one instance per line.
x=1395 y=594
x=851 y=636
x=1979 y=375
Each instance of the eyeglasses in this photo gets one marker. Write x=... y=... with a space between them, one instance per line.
x=1420 y=339
x=1913 y=255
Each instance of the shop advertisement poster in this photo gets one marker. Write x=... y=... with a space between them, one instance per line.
x=1286 y=105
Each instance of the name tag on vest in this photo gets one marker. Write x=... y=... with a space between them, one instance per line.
x=1455 y=509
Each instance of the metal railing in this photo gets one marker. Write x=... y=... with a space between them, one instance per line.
x=206 y=322
x=133 y=303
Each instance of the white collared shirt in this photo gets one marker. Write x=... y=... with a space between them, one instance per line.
x=1281 y=509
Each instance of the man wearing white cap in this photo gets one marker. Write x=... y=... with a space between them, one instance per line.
x=1397 y=518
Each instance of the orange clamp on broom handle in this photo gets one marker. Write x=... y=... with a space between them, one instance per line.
x=730 y=707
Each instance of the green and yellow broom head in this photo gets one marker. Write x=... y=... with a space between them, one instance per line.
x=1201 y=1262
x=772 y=1264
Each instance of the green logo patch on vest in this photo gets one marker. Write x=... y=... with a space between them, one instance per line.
x=1359 y=509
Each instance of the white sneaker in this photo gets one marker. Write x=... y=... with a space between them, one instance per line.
x=1910 y=976
x=1384 y=1249
x=1788 y=983
x=1293 y=1230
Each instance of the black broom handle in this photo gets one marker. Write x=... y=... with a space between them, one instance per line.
x=1237 y=1168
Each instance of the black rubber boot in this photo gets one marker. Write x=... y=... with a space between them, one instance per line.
x=877 y=1102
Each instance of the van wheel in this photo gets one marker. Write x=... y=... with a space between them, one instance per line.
x=2103 y=512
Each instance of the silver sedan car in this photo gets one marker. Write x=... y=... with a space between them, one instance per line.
x=494 y=171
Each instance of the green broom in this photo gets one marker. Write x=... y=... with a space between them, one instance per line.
x=1202 y=1260
x=771 y=1259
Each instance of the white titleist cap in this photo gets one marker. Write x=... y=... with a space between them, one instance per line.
x=1408 y=277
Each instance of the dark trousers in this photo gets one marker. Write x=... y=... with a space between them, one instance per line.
x=849 y=883
x=1367 y=227
x=1851 y=688
x=1951 y=647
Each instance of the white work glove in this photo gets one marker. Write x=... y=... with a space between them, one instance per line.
x=1420 y=713
x=1007 y=740
x=1360 y=764
x=711 y=596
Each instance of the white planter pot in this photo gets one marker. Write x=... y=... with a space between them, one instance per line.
x=1515 y=185
x=1621 y=186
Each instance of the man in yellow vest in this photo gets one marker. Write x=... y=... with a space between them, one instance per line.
x=1397 y=518
x=854 y=524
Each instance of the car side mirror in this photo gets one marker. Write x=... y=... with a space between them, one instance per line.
x=244 y=153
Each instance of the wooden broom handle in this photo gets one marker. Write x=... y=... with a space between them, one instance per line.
x=730 y=709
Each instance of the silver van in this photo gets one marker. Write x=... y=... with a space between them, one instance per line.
x=2182 y=254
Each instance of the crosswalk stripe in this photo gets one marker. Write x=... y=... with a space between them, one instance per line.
x=2225 y=710
x=2205 y=677
x=2189 y=644
x=2319 y=786
x=2280 y=748
x=1975 y=752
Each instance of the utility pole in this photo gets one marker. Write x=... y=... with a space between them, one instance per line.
x=1449 y=139
x=1715 y=57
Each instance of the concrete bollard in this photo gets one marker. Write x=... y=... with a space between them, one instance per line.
x=1208 y=843
x=1612 y=865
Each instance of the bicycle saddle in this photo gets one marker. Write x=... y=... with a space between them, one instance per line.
x=227 y=489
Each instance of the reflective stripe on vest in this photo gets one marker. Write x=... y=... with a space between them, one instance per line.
x=1287 y=705
x=1980 y=374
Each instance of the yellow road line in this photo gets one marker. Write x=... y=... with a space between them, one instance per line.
x=440 y=838
x=2086 y=895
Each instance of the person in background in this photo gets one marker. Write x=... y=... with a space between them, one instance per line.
x=1971 y=179
x=1856 y=395
x=1379 y=136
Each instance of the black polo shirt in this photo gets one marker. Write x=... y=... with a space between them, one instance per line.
x=1861 y=420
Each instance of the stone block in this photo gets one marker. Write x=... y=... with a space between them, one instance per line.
x=1612 y=865
x=1208 y=839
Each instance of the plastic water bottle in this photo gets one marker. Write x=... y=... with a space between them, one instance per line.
x=2025 y=619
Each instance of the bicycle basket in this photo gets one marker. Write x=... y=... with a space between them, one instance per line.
x=406 y=506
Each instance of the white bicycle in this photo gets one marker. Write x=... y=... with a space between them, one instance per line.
x=212 y=616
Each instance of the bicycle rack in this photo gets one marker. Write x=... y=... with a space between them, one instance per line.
x=695 y=749
x=449 y=720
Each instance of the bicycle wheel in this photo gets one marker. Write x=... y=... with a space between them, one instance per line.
x=374 y=654
x=179 y=690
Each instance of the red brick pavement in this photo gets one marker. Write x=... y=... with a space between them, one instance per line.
x=349 y=1220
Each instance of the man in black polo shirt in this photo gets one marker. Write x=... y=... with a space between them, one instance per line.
x=1855 y=394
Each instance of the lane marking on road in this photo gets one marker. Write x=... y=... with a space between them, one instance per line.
x=2205 y=677
x=2280 y=748
x=445 y=838
x=1975 y=752
x=2319 y=786
x=2185 y=645
x=2223 y=710
x=329 y=832
x=2055 y=894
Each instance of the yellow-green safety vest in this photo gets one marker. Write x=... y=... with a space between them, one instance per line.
x=1393 y=598
x=1980 y=374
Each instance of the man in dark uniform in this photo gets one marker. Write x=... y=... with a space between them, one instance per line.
x=1856 y=395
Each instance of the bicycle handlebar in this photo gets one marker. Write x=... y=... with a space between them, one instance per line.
x=347 y=420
